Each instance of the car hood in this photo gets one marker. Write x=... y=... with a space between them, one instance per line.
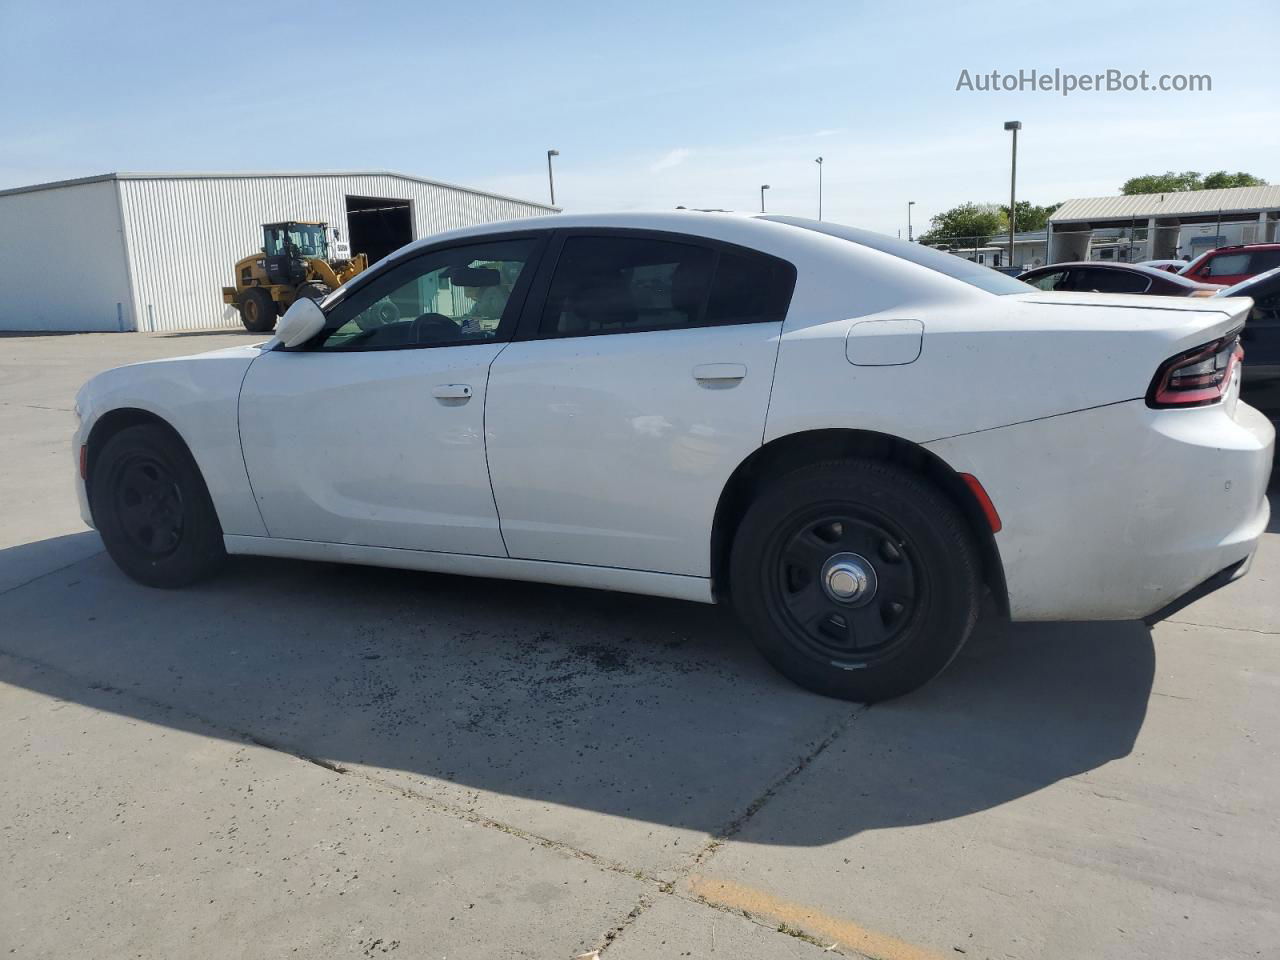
x=157 y=385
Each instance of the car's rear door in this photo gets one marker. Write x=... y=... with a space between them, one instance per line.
x=640 y=378
x=374 y=434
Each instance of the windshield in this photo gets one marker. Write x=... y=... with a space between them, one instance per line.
x=974 y=274
x=296 y=240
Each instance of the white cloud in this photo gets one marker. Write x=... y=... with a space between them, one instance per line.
x=672 y=158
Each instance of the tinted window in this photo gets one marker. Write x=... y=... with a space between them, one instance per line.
x=454 y=296
x=1048 y=281
x=626 y=284
x=976 y=275
x=1263 y=260
x=1229 y=264
x=1109 y=281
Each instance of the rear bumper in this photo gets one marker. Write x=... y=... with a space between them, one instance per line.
x=1118 y=512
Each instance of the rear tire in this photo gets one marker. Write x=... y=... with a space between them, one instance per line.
x=857 y=579
x=257 y=311
x=153 y=509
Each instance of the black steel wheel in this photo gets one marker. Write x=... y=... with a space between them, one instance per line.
x=858 y=579
x=152 y=508
x=847 y=584
x=147 y=501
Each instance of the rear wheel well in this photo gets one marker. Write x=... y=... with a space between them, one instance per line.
x=801 y=449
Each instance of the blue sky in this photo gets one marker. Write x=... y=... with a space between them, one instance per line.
x=651 y=105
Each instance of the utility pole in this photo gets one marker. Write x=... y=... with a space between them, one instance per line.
x=551 y=180
x=1013 y=126
x=818 y=161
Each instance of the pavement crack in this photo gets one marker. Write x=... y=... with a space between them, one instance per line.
x=1218 y=626
x=48 y=573
x=734 y=827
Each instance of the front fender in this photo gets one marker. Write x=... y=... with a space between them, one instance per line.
x=198 y=397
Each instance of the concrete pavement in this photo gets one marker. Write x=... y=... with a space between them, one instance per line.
x=340 y=761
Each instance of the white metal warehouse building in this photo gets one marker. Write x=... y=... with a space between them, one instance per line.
x=152 y=251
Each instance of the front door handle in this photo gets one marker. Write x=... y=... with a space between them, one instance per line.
x=719 y=374
x=452 y=391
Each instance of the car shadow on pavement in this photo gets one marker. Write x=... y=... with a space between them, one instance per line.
x=647 y=709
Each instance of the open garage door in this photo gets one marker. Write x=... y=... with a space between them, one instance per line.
x=378 y=226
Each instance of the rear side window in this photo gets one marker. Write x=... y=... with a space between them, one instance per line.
x=1264 y=260
x=1048 y=281
x=1109 y=281
x=613 y=284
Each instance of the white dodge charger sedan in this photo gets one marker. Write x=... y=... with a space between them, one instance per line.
x=849 y=438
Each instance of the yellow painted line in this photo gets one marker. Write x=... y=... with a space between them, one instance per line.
x=846 y=933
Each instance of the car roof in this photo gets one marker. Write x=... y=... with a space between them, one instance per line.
x=1235 y=247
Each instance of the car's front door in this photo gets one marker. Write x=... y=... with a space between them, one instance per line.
x=373 y=433
x=644 y=382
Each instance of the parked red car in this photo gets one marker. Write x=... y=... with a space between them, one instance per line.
x=1230 y=265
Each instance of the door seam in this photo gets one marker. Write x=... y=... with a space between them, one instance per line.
x=484 y=436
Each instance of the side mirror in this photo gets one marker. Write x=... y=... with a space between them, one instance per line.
x=302 y=321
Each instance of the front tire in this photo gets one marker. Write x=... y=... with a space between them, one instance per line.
x=312 y=291
x=857 y=579
x=153 y=510
x=257 y=311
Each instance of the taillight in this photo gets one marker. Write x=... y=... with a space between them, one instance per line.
x=1197 y=377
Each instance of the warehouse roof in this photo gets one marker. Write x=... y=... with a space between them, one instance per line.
x=1181 y=203
x=258 y=175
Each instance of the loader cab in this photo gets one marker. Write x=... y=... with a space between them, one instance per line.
x=289 y=245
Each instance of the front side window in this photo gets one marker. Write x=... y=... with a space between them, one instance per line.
x=611 y=284
x=1227 y=265
x=455 y=296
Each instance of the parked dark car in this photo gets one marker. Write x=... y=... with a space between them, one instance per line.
x=1231 y=265
x=1261 y=335
x=1090 y=276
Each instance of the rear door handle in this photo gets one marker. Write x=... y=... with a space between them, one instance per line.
x=452 y=391
x=719 y=374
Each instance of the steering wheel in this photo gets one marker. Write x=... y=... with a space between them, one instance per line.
x=435 y=328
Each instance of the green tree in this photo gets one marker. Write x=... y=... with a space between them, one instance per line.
x=1172 y=182
x=1030 y=216
x=968 y=225
x=1220 y=178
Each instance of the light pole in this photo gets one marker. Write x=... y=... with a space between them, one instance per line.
x=763 y=188
x=910 y=204
x=1014 y=126
x=818 y=161
x=551 y=180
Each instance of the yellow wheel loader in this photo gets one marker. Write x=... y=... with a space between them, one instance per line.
x=294 y=262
